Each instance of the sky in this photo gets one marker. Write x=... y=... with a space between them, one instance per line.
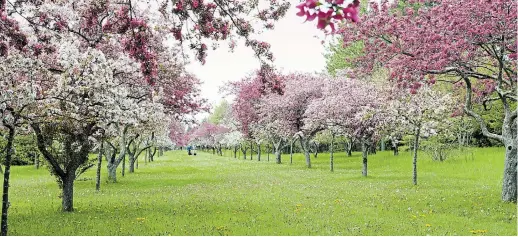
x=295 y=45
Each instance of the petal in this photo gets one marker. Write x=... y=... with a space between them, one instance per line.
x=321 y=24
x=311 y=17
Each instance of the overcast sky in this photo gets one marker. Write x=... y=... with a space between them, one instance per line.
x=293 y=43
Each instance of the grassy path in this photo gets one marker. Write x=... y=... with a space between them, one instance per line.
x=210 y=195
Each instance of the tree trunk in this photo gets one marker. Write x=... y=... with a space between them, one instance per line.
x=258 y=151
x=67 y=194
x=146 y=156
x=235 y=152
x=136 y=161
x=112 y=172
x=131 y=163
x=98 y=172
x=152 y=155
x=382 y=144
x=277 y=153
x=364 y=157
x=395 y=145
x=268 y=151
x=291 y=152
x=251 y=150
x=36 y=160
x=123 y=165
x=414 y=163
x=509 y=187
x=316 y=150
x=331 y=158
x=243 y=150
x=304 y=143
x=349 y=148
x=7 y=172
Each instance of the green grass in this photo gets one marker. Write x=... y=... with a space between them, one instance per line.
x=210 y=195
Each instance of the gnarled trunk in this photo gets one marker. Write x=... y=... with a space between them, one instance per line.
x=509 y=187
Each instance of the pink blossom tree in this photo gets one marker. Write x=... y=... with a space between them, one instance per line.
x=467 y=40
x=349 y=106
x=288 y=110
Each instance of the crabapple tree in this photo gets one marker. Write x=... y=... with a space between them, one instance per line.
x=466 y=40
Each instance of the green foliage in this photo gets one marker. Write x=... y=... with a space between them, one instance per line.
x=211 y=195
x=219 y=112
x=25 y=149
x=339 y=57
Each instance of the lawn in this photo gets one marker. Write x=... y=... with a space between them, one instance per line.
x=205 y=194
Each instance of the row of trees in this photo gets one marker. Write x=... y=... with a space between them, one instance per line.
x=306 y=108
x=418 y=68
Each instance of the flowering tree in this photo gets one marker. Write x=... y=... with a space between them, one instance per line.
x=290 y=107
x=210 y=135
x=234 y=137
x=248 y=93
x=187 y=21
x=419 y=114
x=468 y=41
x=18 y=91
x=349 y=106
x=69 y=113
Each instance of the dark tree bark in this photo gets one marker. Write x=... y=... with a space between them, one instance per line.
x=123 y=166
x=349 y=148
x=364 y=158
x=68 y=192
x=251 y=150
x=258 y=151
x=315 y=152
x=243 y=150
x=7 y=173
x=235 y=151
x=152 y=154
